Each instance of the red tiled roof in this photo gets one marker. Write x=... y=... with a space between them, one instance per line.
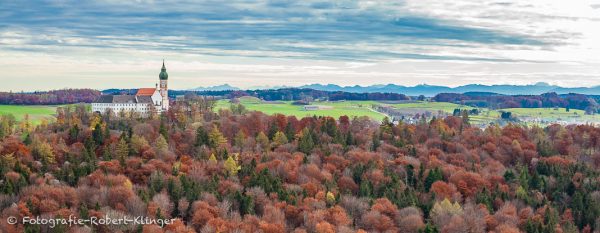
x=145 y=91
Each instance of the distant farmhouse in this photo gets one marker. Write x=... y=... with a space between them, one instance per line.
x=145 y=101
x=316 y=107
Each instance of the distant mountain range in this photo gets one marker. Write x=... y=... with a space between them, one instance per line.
x=227 y=87
x=224 y=87
x=431 y=90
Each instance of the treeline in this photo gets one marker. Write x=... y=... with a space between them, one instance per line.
x=65 y=96
x=291 y=94
x=251 y=172
x=548 y=100
x=285 y=94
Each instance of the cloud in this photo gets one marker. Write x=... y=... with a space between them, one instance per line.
x=505 y=37
x=242 y=28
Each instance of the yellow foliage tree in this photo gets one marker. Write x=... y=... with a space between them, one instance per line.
x=94 y=120
x=176 y=167
x=522 y=193
x=231 y=166
x=446 y=207
x=128 y=184
x=212 y=158
x=279 y=139
x=330 y=197
x=161 y=143
x=44 y=151
x=216 y=138
x=138 y=142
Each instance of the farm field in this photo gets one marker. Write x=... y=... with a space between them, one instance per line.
x=431 y=106
x=546 y=112
x=36 y=112
x=485 y=115
x=354 y=108
x=349 y=108
x=543 y=115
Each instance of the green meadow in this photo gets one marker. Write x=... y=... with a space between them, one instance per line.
x=337 y=109
x=573 y=116
x=36 y=112
x=430 y=106
x=546 y=112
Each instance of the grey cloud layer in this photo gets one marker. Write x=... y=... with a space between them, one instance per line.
x=116 y=43
x=342 y=30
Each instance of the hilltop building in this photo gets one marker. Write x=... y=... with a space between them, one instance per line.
x=143 y=102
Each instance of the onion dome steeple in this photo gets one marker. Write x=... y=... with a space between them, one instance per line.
x=163 y=72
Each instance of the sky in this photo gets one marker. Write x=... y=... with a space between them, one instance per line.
x=59 y=44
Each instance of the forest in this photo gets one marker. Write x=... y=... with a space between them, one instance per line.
x=250 y=172
x=547 y=100
x=55 y=97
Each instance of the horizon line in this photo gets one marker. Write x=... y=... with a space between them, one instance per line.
x=274 y=87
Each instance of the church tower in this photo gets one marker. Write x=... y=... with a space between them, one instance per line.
x=164 y=91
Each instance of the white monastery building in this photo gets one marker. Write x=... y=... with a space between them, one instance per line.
x=145 y=100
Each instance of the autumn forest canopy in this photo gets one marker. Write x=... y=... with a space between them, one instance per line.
x=240 y=171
